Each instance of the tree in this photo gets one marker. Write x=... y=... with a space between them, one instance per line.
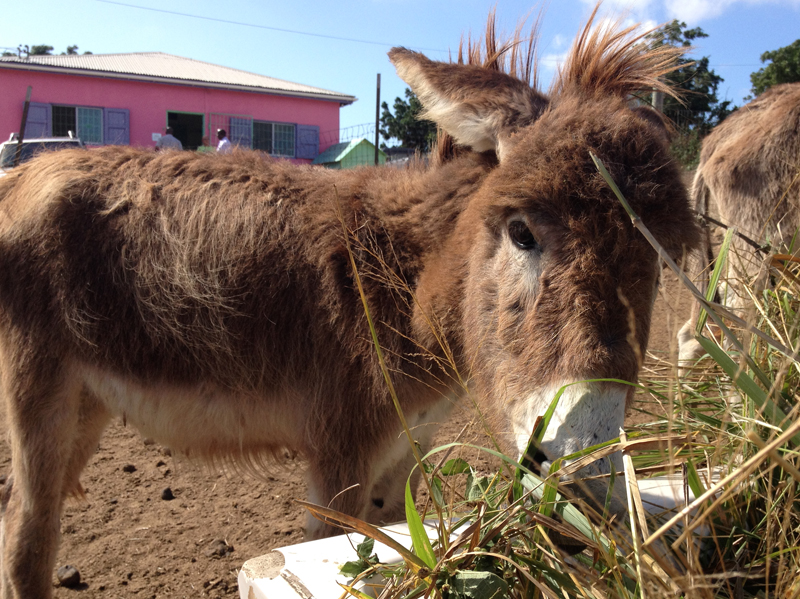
x=73 y=50
x=405 y=126
x=784 y=68
x=701 y=110
x=699 y=83
x=41 y=50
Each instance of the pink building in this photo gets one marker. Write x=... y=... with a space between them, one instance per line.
x=131 y=98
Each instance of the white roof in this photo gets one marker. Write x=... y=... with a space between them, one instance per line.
x=168 y=68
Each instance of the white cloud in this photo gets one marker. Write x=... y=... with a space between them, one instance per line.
x=627 y=13
x=554 y=60
x=549 y=64
x=635 y=10
x=694 y=11
x=649 y=24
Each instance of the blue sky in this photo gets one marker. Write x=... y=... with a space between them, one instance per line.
x=270 y=37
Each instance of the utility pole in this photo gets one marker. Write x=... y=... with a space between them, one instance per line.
x=18 y=153
x=658 y=101
x=377 y=117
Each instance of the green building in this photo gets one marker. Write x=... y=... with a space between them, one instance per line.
x=350 y=154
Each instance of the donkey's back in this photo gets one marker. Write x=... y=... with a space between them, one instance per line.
x=750 y=169
x=750 y=163
x=158 y=253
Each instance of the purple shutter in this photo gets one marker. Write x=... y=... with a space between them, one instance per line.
x=38 y=123
x=116 y=126
x=307 y=145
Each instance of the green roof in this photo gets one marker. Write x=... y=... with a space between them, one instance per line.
x=337 y=152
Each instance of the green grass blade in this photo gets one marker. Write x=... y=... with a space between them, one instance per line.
x=550 y=493
x=713 y=282
x=526 y=461
x=693 y=479
x=572 y=515
x=421 y=543
x=772 y=413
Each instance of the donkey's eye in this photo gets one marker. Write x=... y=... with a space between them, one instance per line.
x=521 y=235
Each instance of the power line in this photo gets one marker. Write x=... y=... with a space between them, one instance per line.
x=256 y=26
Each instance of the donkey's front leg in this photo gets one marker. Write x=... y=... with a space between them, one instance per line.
x=43 y=413
x=337 y=480
x=368 y=479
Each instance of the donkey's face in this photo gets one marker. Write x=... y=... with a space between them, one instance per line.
x=557 y=286
x=560 y=286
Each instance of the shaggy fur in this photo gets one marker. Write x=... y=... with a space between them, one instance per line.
x=750 y=167
x=210 y=300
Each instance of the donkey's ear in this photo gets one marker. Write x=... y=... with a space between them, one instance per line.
x=481 y=108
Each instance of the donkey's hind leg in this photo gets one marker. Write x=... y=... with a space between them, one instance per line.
x=46 y=424
x=93 y=417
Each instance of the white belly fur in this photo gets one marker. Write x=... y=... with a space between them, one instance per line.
x=201 y=419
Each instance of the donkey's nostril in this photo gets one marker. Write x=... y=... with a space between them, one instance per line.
x=378 y=503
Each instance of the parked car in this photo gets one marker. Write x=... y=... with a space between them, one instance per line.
x=31 y=147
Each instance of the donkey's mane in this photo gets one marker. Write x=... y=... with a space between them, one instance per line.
x=610 y=60
x=515 y=56
x=605 y=59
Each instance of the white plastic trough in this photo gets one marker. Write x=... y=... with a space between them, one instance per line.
x=311 y=570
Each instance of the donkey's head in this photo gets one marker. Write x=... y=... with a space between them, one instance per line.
x=544 y=280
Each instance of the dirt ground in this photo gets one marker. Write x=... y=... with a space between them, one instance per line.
x=128 y=541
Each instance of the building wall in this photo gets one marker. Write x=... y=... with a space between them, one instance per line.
x=149 y=102
x=362 y=154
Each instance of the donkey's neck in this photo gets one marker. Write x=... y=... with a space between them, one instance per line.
x=406 y=219
x=418 y=207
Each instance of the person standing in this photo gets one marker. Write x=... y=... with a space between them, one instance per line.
x=168 y=141
x=224 y=146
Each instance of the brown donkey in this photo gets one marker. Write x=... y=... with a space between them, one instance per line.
x=210 y=301
x=750 y=168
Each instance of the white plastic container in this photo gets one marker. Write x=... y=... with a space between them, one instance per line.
x=311 y=570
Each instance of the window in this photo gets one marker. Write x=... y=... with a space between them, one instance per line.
x=64 y=121
x=275 y=138
x=90 y=125
x=283 y=140
x=262 y=136
x=86 y=123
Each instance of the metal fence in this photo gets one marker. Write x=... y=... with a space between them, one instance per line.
x=364 y=131
x=365 y=153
